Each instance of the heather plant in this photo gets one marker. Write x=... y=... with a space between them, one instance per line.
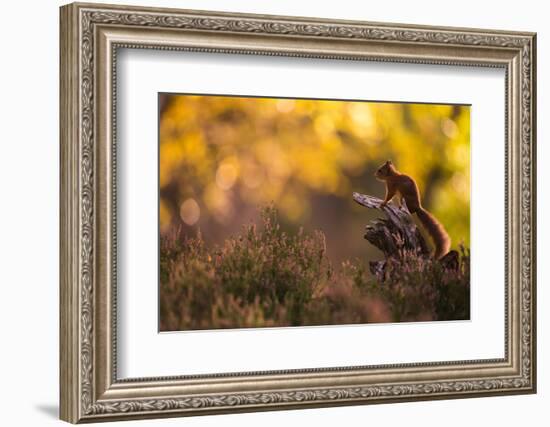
x=416 y=288
x=267 y=277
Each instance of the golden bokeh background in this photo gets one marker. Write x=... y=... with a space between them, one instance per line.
x=223 y=157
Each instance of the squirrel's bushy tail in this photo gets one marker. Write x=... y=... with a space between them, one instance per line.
x=441 y=239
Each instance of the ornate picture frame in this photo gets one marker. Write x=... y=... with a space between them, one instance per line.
x=91 y=34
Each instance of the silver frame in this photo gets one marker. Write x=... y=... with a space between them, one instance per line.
x=90 y=37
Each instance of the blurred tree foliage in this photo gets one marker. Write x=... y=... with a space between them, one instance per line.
x=222 y=157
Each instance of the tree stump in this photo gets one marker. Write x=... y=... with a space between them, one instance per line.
x=395 y=233
x=391 y=234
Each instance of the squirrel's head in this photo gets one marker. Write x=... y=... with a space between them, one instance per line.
x=386 y=170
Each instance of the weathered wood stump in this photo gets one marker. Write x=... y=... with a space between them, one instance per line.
x=395 y=233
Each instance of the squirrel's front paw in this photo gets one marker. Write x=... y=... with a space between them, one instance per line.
x=382 y=205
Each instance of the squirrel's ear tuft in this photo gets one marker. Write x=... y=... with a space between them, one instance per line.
x=389 y=162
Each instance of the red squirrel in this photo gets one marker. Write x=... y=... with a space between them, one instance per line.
x=406 y=189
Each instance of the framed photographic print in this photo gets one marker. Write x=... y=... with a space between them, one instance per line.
x=265 y=212
x=291 y=165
